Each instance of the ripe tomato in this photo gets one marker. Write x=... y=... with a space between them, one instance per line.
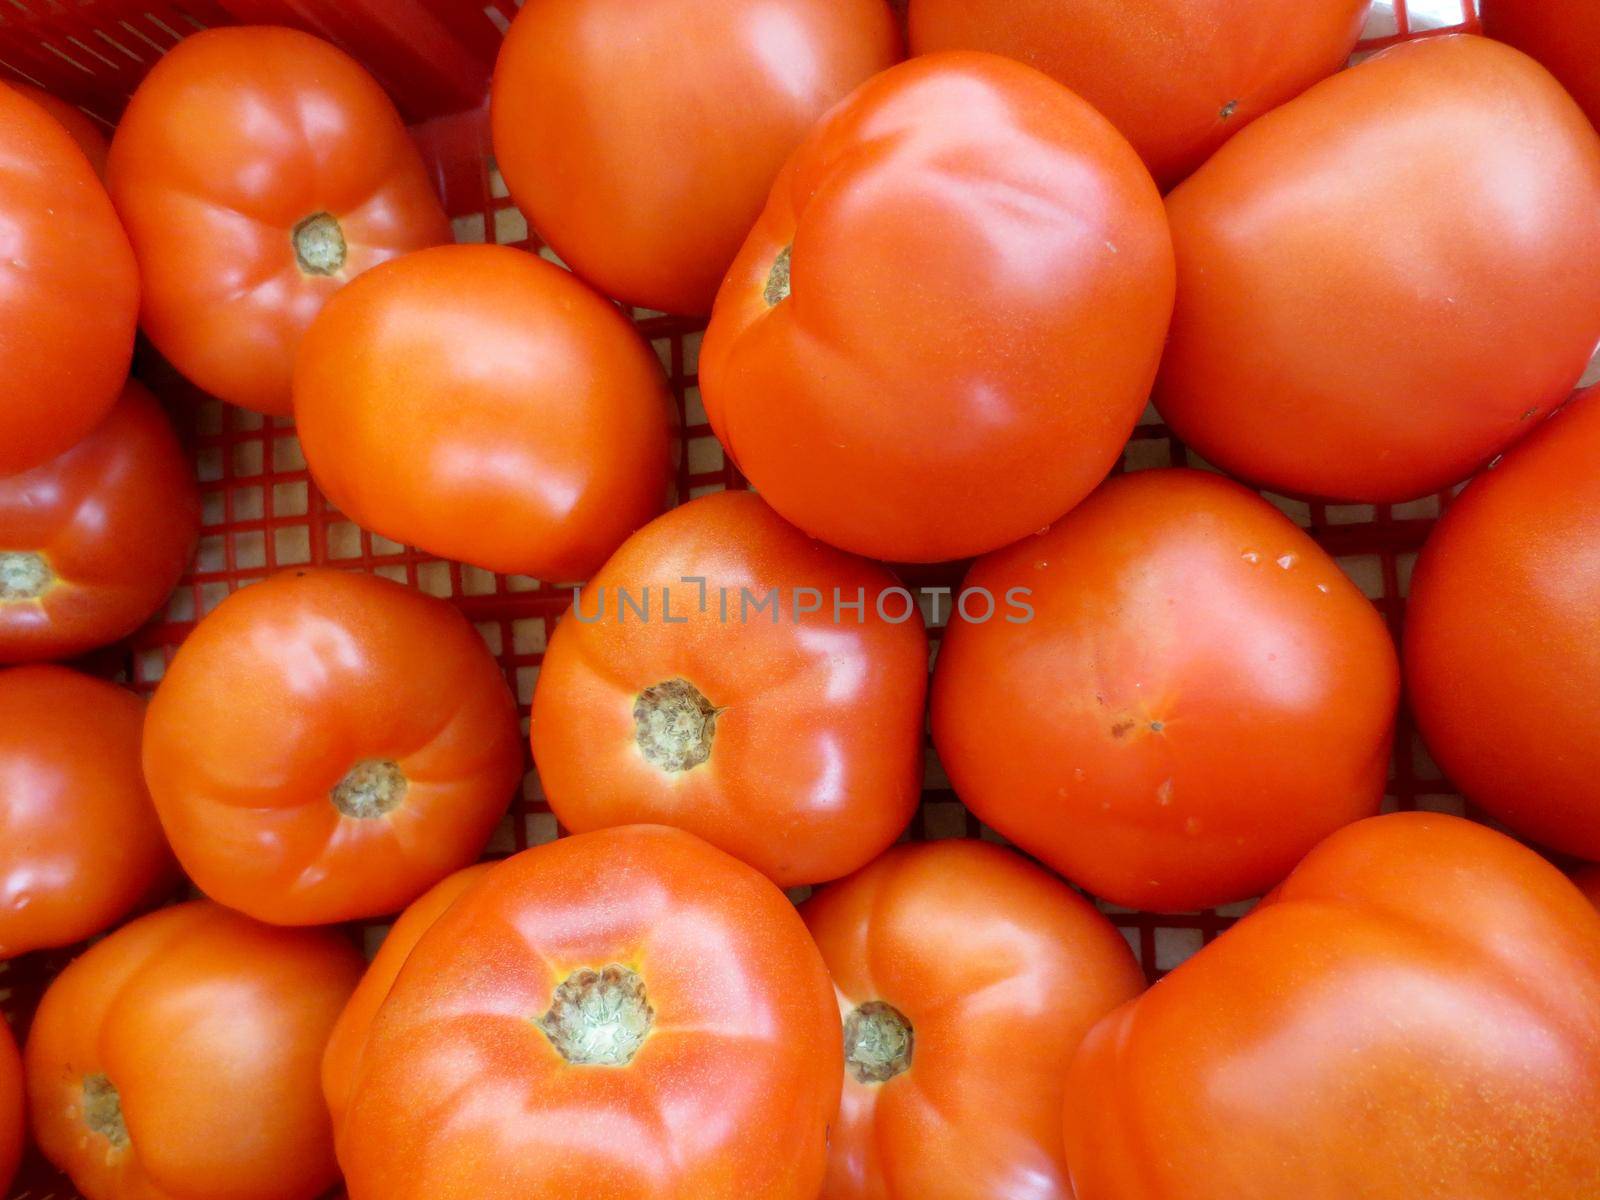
x=177 y=1059
x=93 y=541
x=1561 y=34
x=644 y=1015
x=1588 y=881
x=342 y=1060
x=967 y=978
x=67 y=257
x=483 y=405
x=11 y=1114
x=1400 y=269
x=258 y=171
x=1414 y=1014
x=1197 y=699
x=80 y=846
x=790 y=738
x=91 y=137
x=1502 y=646
x=328 y=746
x=1176 y=77
x=942 y=330
x=641 y=140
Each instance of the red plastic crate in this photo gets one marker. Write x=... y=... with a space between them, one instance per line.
x=261 y=512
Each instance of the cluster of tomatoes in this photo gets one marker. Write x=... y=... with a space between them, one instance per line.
x=941 y=293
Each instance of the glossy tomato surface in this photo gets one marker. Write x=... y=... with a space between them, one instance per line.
x=966 y=977
x=1502 y=638
x=1413 y=1015
x=1561 y=34
x=259 y=170
x=80 y=846
x=1385 y=282
x=71 y=296
x=945 y=324
x=641 y=140
x=177 y=1059
x=1198 y=697
x=1176 y=77
x=616 y=1015
x=90 y=135
x=12 y=1124
x=484 y=405
x=328 y=746
x=93 y=541
x=752 y=708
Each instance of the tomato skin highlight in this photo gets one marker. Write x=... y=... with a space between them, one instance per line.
x=1399 y=269
x=945 y=324
x=1561 y=34
x=1414 y=1013
x=1199 y=698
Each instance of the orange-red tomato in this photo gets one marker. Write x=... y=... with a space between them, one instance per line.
x=641 y=140
x=747 y=705
x=945 y=324
x=483 y=405
x=1561 y=34
x=327 y=746
x=258 y=171
x=80 y=846
x=90 y=136
x=1502 y=645
x=177 y=1059
x=967 y=978
x=1195 y=699
x=1386 y=281
x=342 y=1060
x=1177 y=77
x=616 y=1015
x=71 y=295
x=11 y=1108
x=1414 y=1013
x=93 y=541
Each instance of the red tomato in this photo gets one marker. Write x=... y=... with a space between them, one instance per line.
x=80 y=846
x=259 y=170
x=93 y=542
x=967 y=977
x=1194 y=699
x=1561 y=34
x=11 y=1114
x=790 y=738
x=483 y=405
x=1502 y=645
x=177 y=1059
x=942 y=330
x=615 y=1015
x=328 y=746
x=71 y=295
x=342 y=1060
x=1400 y=269
x=641 y=140
x=90 y=136
x=1588 y=881
x=1177 y=77
x=1413 y=1015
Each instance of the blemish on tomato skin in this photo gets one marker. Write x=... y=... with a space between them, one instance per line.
x=1121 y=728
x=1228 y=109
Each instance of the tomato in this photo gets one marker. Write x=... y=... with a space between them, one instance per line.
x=1413 y=1015
x=342 y=1060
x=1588 y=881
x=328 y=746
x=1401 y=269
x=615 y=1015
x=177 y=1059
x=1502 y=647
x=1193 y=699
x=89 y=134
x=1561 y=34
x=11 y=1114
x=80 y=846
x=641 y=140
x=967 y=978
x=748 y=706
x=93 y=542
x=482 y=404
x=71 y=295
x=1176 y=77
x=258 y=171
x=945 y=324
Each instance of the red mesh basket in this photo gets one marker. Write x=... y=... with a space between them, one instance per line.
x=262 y=512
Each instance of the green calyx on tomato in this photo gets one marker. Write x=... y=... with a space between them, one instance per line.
x=24 y=575
x=599 y=1018
x=675 y=725
x=319 y=247
x=878 y=1041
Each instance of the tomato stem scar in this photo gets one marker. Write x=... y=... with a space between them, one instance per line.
x=674 y=725
x=319 y=247
x=102 y=1110
x=371 y=788
x=599 y=1018
x=24 y=575
x=777 y=289
x=878 y=1042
